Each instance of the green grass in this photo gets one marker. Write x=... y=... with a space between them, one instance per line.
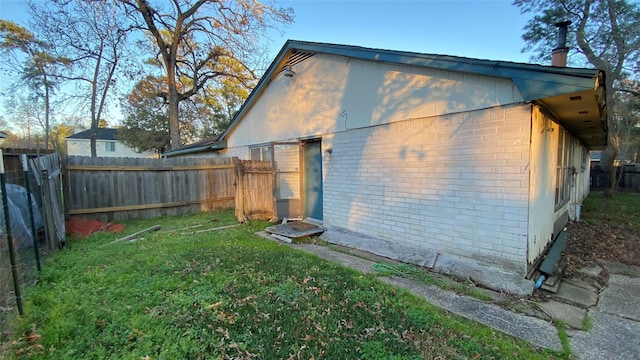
x=622 y=209
x=231 y=294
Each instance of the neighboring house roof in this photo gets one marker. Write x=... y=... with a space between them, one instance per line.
x=207 y=144
x=3 y=135
x=548 y=86
x=101 y=134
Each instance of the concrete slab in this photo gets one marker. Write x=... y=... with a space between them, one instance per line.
x=592 y=270
x=404 y=253
x=569 y=314
x=617 y=298
x=610 y=338
x=576 y=295
x=484 y=275
x=536 y=331
x=585 y=283
x=295 y=229
x=362 y=265
x=622 y=269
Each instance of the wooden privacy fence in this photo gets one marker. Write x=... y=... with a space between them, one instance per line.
x=109 y=189
x=254 y=195
x=628 y=177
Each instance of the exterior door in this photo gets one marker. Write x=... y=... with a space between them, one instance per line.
x=312 y=179
x=286 y=181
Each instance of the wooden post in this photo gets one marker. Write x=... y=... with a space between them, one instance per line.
x=50 y=227
x=239 y=191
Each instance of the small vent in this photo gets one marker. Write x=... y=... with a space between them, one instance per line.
x=296 y=58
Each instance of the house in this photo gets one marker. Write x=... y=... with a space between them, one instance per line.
x=478 y=161
x=107 y=145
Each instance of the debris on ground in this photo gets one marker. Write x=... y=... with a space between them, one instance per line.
x=85 y=227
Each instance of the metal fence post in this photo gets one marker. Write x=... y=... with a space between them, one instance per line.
x=5 y=207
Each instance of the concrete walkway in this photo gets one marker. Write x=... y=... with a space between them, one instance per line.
x=613 y=314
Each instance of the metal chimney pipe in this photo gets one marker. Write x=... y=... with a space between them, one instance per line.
x=559 y=54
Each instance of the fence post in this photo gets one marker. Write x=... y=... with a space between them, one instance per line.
x=49 y=227
x=25 y=169
x=240 y=185
x=12 y=256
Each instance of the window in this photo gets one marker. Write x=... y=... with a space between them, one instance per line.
x=110 y=146
x=262 y=153
x=563 y=168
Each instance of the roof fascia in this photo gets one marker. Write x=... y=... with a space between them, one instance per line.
x=217 y=146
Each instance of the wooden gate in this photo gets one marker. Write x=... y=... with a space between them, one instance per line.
x=254 y=190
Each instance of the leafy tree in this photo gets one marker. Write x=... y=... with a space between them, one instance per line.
x=59 y=133
x=604 y=34
x=38 y=70
x=194 y=38
x=146 y=125
x=93 y=35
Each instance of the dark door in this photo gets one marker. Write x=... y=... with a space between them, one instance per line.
x=312 y=155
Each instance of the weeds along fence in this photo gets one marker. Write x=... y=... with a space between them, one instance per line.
x=32 y=184
x=114 y=189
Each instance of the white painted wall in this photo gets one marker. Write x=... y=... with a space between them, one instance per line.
x=330 y=94
x=543 y=160
x=82 y=147
x=432 y=159
x=457 y=184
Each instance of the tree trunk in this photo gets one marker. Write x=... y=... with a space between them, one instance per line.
x=612 y=149
x=174 y=126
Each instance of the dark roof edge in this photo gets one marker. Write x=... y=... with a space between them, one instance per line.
x=217 y=146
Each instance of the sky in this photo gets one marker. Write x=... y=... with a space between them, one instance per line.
x=483 y=29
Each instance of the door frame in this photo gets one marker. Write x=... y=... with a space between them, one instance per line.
x=303 y=180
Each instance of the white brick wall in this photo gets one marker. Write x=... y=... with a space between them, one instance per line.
x=457 y=183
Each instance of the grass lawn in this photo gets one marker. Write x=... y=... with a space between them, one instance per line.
x=230 y=294
x=622 y=210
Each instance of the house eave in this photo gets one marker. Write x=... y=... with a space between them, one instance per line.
x=582 y=113
x=193 y=150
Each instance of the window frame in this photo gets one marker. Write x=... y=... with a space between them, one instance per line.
x=110 y=146
x=264 y=150
x=564 y=169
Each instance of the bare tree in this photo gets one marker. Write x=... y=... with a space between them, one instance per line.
x=192 y=38
x=93 y=35
x=38 y=70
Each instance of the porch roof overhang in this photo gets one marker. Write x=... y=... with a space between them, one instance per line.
x=582 y=113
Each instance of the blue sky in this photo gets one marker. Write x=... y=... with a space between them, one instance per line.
x=484 y=29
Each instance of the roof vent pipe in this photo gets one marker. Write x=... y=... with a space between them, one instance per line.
x=559 y=54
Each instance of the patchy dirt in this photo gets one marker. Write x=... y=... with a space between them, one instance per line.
x=590 y=243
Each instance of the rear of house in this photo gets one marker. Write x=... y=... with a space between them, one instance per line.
x=477 y=160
